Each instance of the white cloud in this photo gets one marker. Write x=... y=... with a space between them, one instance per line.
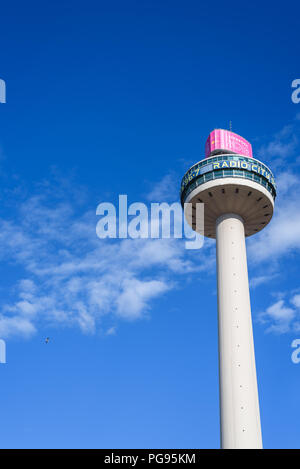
x=282 y=236
x=279 y=312
x=111 y=331
x=282 y=316
x=165 y=189
x=296 y=301
x=85 y=320
x=286 y=181
x=70 y=277
x=16 y=325
x=283 y=145
x=132 y=302
x=260 y=280
x=278 y=317
x=278 y=148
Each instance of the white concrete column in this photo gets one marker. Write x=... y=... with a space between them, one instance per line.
x=239 y=406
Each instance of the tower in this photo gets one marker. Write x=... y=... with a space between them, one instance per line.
x=238 y=192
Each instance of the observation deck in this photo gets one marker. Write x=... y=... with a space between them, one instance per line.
x=230 y=183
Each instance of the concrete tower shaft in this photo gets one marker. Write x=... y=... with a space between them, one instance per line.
x=238 y=193
x=239 y=407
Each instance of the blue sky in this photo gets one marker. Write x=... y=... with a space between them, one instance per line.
x=118 y=98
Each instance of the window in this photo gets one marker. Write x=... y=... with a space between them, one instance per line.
x=188 y=186
x=228 y=172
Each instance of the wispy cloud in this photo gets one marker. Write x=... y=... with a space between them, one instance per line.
x=283 y=145
x=165 y=189
x=280 y=240
x=282 y=316
x=261 y=279
x=282 y=236
x=69 y=277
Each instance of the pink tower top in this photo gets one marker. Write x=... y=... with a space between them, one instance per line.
x=220 y=140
